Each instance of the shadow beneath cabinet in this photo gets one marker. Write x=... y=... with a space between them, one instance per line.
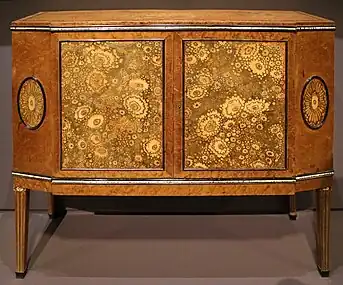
x=189 y=205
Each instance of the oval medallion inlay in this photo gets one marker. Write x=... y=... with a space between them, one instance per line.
x=315 y=102
x=31 y=103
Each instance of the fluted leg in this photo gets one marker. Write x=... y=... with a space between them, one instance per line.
x=292 y=207
x=56 y=206
x=323 y=230
x=22 y=203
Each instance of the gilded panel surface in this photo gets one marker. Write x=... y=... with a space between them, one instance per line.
x=315 y=102
x=31 y=103
x=234 y=105
x=112 y=104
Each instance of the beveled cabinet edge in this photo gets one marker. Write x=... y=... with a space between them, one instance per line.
x=167 y=39
x=175 y=28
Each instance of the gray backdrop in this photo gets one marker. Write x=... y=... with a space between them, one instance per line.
x=11 y=10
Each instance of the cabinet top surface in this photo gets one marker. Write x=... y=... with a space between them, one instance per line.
x=171 y=17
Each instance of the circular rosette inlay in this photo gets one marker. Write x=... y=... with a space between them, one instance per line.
x=31 y=103
x=315 y=102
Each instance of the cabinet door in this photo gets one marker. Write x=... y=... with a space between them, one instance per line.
x=232 y=106
x=113 y=98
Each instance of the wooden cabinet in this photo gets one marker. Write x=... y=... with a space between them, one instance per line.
x=172 y=103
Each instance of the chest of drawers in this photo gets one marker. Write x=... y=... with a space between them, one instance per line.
x=172 y=103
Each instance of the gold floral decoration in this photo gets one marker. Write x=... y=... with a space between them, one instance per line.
x=112 y=98
x=234 y=106
x=31 y=103
x=315 y=102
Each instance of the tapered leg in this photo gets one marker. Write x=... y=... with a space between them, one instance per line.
x=56 y=206
x=292 y=207
x=22 y=203
x=323 y=230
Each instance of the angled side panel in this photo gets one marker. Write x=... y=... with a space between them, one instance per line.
x=31 y=102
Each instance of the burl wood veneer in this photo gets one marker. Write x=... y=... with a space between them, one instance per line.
x=173 y=103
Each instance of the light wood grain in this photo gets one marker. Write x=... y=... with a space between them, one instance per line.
x=171 y=17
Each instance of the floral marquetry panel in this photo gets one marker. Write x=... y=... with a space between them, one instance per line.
x=315 y=102
x=31 y=103
x=112 y=104
x=234 y=105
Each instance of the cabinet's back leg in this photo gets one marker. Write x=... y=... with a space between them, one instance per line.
x=292 y=207
x=323 y=230
x=56 y=208
x=22 y=204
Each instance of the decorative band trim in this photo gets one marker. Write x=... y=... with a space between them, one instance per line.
x=314 y=175
x=32 y=176
x=168 y=181
x=172 y=28
x=171 y=181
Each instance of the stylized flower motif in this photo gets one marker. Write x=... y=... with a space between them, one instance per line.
x=209 y=124
x=82 y=144
x=248 y=51
x=190 y=59
x=276 y=128
x=152 y=147
x=95 y=121
x=102 y=59
x=157 y=60
x=95 y=138
x=277 y=88
x=229 y=124
x=276 y=73
x=69 y=58
x=189 y=162
x=31 y=103
x=138 y=158
x=101 y=151
x=82 y=112
x=256 y=107
x=138 y=84
x=157 y=90
x=232 y=106
x=219 y=147
x=196 y=44
x=136 y=106
x=147 y=49
x=203 y=54
x=315 y=103
x=205 y=79
x=195 y=93
x=96 y=81
x=196 y=105
x=258 y=164
x=257 y=67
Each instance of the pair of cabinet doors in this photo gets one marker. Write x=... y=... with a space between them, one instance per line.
x=166 y=104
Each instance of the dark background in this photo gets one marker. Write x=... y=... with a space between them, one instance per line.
x=11 y=10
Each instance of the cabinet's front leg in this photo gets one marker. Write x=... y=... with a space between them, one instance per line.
x=323 y=230
x=292 y=207
x=22 y=204
x=56 y=208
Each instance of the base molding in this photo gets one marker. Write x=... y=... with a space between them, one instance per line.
x=174 y=181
